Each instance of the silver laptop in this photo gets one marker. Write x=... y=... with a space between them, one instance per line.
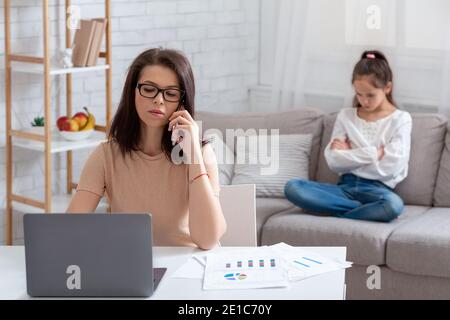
x=90 y=255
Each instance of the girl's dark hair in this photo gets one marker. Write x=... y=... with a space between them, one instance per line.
x=374 y=64
x=126 y=125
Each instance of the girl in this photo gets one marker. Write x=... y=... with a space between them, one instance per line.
x=136 y=168
x=369 y=149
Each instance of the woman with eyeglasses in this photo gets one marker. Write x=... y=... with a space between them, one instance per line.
x=154 y=160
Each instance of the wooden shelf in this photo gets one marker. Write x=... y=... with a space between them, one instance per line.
x=34 y=138
x=59 y=144
x=26 y=67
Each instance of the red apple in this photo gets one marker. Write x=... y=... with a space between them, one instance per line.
x=81 y=118
x=60 y=122
x=70 y=125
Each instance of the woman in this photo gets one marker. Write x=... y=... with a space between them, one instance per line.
x=139 y=169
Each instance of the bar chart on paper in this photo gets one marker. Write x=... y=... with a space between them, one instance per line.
x=249 y=263
x=240 y=270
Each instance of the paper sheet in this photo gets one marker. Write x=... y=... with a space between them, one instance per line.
x=306 y=263
x=194 y=268
x=245 y=269
x=191 y=269
x=259 y=267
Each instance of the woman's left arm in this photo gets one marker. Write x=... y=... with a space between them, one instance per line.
x=206 y=221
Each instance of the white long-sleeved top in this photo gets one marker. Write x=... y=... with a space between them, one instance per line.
x=393 y=132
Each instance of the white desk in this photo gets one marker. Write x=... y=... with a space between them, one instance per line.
x=329 y=286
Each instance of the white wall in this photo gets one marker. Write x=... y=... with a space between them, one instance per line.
x=414 y=34
x=220 y=37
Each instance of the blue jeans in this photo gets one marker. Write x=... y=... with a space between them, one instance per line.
x=353 y=197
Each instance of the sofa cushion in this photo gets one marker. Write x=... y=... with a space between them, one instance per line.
x=324 y=173
x=299 y=121
x=270 y=175
x=427 y=142
x=394 y=285
x=365 y=240
x=422 y=247
x=224 y=158
x=442 y=190
x=266 y=207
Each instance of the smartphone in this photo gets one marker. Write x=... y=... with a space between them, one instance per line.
x=174 y=139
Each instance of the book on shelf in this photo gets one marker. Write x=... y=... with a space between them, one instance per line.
x=82 y=42
x=96 y=41
x=87 y=42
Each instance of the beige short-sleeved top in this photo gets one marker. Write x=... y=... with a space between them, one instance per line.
x=141 y=183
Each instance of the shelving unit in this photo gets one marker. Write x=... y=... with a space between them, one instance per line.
x=47 y=140
x=39 y=69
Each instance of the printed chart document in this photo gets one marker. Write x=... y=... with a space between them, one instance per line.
x=260 y=267
x=244 y=269
x=304 y=263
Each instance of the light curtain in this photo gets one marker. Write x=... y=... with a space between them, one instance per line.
x=420 y=62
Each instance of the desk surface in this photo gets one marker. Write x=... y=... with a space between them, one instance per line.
x=326 y=286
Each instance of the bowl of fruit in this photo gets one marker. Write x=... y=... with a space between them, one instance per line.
x=78 y=127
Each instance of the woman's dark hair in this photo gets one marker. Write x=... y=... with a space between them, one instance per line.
x=375 y=65
x=126 y=125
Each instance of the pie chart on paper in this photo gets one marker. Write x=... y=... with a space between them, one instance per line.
x=235 y=276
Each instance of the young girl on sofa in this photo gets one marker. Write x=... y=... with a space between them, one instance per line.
x=369 y=149
x=136 y=168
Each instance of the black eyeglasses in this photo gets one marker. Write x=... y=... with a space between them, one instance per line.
x=151 y=91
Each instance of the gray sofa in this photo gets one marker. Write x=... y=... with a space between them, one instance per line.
x=412 y=252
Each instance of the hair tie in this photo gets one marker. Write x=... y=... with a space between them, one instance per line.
x=370 y=56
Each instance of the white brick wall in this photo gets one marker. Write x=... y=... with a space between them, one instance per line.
x=220 y=37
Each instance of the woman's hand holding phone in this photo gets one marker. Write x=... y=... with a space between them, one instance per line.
x=185 y=132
